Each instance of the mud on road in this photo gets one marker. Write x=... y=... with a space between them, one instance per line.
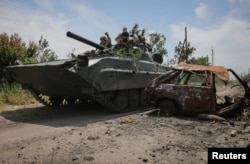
x=90 y=134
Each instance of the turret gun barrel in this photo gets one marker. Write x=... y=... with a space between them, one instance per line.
x=84 y=40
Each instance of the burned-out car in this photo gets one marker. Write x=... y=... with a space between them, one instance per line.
x=194 y=89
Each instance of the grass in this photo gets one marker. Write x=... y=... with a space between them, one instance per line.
x=246 y=116
x=244 y=119
x=15 y=95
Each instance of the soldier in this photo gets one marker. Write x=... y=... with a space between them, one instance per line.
x=143 y=42
x=109 y=44
x=134 y=41
x=105 y=40
x=123 y=37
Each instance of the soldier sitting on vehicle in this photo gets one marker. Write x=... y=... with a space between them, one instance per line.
x=143 y=42
x=134 y=41
x=123 y=37
x=106 y=40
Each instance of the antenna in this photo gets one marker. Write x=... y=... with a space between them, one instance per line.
x=212 y=56
x=185 y=41
x=184 y=45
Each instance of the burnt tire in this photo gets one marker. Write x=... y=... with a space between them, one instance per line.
x=168 y=108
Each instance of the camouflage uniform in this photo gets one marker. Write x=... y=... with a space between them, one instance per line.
x=123 y=37
x=104 y=41
x=142 y=41
x=134 y=41
x=109 y=44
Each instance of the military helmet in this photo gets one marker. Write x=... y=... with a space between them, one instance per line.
x=103 y=38
x=125 y=31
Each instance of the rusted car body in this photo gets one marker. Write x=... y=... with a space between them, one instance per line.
x=193 y=89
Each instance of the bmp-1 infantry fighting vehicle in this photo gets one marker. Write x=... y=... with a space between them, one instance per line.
x=115 y=82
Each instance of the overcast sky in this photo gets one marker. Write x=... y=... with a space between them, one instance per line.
x=223 y=25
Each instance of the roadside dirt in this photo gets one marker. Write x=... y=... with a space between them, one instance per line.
x=90 y=134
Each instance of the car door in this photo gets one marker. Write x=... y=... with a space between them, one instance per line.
x=197 y=99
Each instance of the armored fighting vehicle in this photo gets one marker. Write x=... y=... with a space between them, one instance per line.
x=113 y=81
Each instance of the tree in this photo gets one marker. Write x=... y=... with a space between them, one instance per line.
x=12 y=48
x=31 y=52
x=246 y=76
x=183 y=53
x=45 y=54
x=200 y=60
x=137 y=31
x=157 y=40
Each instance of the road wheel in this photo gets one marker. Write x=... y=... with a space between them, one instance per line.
x=143 y=95
x=55 y=101
x=42 y=98
x=167 y=107
x=133 y=98
x=71 y=101
x=121 y=100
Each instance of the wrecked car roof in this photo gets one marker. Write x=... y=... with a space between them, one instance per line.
x=219 y=71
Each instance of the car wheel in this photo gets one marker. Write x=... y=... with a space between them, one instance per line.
x=167 y=108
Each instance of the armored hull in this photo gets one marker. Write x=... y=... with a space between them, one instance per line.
x=116 y=83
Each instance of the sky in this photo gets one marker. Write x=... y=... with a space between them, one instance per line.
x=221 y=25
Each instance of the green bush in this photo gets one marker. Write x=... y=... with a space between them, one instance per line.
x=15 y=95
